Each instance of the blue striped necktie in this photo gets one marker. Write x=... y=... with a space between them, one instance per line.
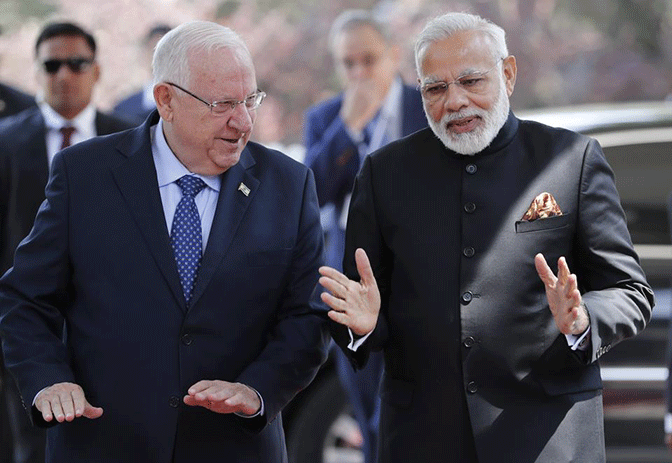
x=185 y=235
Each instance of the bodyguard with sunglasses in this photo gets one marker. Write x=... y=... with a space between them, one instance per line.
x=182 y=258
x=66 y=72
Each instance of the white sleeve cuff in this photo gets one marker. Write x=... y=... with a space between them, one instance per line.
x=668 y=423
x=261 y=409
x=354 y=345
x=577 y=342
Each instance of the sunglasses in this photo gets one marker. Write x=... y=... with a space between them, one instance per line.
x=75 y=64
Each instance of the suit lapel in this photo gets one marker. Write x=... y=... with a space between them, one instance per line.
x=231 y=206
x=136 y=179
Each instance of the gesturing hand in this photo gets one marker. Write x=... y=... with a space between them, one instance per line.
x=355 y=304
x=223 y=397
x=564 y=298
x=65 y=401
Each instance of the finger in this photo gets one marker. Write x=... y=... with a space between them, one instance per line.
x=333 y=286
x=79 y=402
x=56 y=409
x=44 y=406
x=68 y=405
x=334 y=302
x=364 y=268
x=544 y=271
x=199 y=386
x=92 y=412
x=339 y=317
x=335 y=275
x=563 y=271
x=571 y=286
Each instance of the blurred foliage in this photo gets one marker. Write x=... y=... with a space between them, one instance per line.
x=568 y=51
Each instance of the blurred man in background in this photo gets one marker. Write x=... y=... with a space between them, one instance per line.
x=66 y=72
x=136 y=107
x=375 y=108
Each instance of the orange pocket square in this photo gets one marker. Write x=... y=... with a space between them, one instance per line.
x=542 y=207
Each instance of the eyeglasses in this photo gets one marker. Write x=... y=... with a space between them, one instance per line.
x=475 y=83
x=220 y=108
x=77 y=65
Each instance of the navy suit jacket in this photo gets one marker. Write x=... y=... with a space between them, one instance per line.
x=334 y=157
x=99 y=255
x=24 y=170
x=13 y=101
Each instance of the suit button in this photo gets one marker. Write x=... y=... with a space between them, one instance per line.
x=472 y=387
x=469 y=341
x=466 y=297
x=471 y=168
x=174 y=401
x=468 y=251
x=469 y=208
x=187 y=339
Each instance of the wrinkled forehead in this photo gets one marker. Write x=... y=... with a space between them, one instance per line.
x=462 y=53
x=223 y=67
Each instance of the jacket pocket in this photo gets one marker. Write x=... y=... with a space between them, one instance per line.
x=550 y=223
x=269 y=257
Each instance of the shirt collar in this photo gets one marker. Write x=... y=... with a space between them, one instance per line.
x=84 y=122
x=168 y=167
x=393 y=100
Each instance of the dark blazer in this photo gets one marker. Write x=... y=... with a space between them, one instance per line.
x=334 y=158
x=24 y=169
x=13 y=101
x=472 y=354
x=99 y=255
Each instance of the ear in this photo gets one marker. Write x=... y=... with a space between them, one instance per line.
x=510 y=72
x=164 y=101
x=96 y=71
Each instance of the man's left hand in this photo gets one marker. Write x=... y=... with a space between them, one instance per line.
x=223 y=397
x=564 y=298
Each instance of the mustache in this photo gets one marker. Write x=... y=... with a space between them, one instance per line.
x=450 y=117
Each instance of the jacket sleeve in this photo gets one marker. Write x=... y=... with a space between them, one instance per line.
x=33 y=294
x=613 y=285
x=331 y=155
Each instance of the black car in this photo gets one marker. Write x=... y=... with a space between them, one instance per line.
x=637 y=141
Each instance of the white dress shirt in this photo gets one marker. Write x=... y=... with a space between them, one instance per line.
x=84 y=124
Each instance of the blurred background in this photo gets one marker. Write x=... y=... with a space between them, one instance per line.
x=568 y=52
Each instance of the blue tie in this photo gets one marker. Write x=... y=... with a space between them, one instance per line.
x=185 y=236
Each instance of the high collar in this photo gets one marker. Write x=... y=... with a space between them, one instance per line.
x=501 y=140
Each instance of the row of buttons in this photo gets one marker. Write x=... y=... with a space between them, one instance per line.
x=467 y=296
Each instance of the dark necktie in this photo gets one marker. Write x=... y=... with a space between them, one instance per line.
x=185 y=235
x=67 y=135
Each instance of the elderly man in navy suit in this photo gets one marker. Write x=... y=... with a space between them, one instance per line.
x=183 y=259
x=375 y=108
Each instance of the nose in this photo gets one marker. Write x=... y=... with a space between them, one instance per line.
x=456 y=98
x=241 y=119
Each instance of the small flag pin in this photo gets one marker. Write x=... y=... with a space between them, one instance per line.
x=242 y=187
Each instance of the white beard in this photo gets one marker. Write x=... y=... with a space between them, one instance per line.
x=470 y=143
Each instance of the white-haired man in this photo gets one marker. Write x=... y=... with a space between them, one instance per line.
x=489 y=356
x=182 y=259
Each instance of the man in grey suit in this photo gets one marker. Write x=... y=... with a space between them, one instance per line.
x=490 y=354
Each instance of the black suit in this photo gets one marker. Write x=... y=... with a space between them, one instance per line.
x=474 y=363
x=24 y=170
x=13 y=101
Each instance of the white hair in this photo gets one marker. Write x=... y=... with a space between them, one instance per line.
x=171 y=56
x=443 y=27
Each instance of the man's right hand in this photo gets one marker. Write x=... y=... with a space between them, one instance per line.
x=355 y=304
x=361 y=102
x=65 y=402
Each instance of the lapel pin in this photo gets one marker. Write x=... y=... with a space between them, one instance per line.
x=245 y=190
